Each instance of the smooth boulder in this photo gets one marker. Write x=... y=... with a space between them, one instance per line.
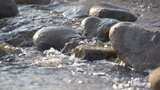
x=104 y=28
x=114 y=13
x=8 y=8
x=136 y=45
x=89 y=26
x=97 y=27
x=32 y=1
x=53 y=36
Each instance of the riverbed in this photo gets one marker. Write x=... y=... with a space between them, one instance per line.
x=51 y=70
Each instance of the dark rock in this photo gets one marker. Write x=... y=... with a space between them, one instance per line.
x=104 y=28
x=154 y=79
x=55 y=37
x=19 y=38
x=96 y=27
x=78 y=11
x=32 y=1
x=90 y=25
x=136 y=45
x=119 y=14
x=8 y=8
x=91 y=53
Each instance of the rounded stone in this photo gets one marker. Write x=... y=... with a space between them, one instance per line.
x=90 y=25
x=114 y=13
x=136 y=45
x=8 y=8
x=55 y=37
x=97 y=27
x=104 y=28
x=154 y=79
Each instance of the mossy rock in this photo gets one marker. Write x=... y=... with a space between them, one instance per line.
x=91 y=52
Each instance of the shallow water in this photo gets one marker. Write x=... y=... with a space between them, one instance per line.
x=33 y=70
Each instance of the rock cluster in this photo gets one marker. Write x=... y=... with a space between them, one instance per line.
x=133 y=44
x=97 y=27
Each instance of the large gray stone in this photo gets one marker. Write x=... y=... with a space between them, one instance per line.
x=104 y=28
x=97 y=27
x=136 y=45
x=55 y=37
x=114 y=13
x=8 y=8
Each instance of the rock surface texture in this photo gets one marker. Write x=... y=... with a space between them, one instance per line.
x=55 y=37
x=136 y=45
x=8 y=8
x=114 y=13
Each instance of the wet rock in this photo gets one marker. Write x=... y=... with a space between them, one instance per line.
x=104 y=28
x=89 y=26
x=136 y=45
x=78 y=11
x=55 y=37
x=91 y=53
x=114 y=13
x=6 y=49
x=96 y=27
x=154 y=79
x=32 y=1
x=19 y=38
x=18 y=33
x=8 y=8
